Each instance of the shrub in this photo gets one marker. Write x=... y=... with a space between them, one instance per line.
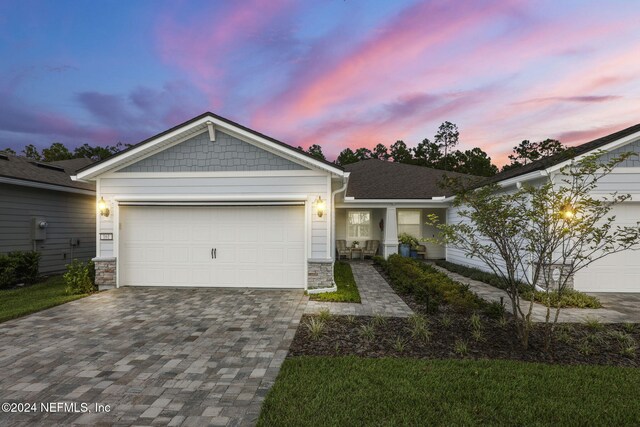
x=324 y=314
x=570 y=297
x=78 y=278
x=19 y=267
x=429 y=286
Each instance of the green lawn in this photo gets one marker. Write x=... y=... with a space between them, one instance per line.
x=19 y=302
x=347 y=289
x=356 y=391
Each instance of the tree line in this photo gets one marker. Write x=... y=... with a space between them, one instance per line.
x=439 y=153
x=58 y=151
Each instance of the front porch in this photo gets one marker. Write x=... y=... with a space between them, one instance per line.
x=385 y=223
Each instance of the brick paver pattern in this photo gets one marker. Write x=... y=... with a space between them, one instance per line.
x=376 y=296
x=157 y=356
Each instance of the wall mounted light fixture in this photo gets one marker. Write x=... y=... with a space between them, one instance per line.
x=321 y=206
x=103 y=207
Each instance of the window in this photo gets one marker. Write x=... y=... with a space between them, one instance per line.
x=358 y=225
x=409 y=222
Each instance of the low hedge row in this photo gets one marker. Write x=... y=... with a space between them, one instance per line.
x=431 y=287
x=18 y=267
x=570 y=298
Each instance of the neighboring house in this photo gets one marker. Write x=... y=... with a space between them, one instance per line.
x=42 y=209
x=213 y=203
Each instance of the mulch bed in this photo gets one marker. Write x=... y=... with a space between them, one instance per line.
x=343 y=335
x=573 y=343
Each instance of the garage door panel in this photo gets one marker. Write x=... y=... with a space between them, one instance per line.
x=618 y=272
x=171 y=246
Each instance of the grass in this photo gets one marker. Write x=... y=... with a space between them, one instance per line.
x=347 y=289
x=339 y=391
x=22 y=301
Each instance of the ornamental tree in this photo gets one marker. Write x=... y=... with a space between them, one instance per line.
x=523 y=235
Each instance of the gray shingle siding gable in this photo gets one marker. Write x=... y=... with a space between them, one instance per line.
x=631 y=162
x=199 y=154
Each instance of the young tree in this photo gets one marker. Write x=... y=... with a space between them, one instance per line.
x=400 y=153
x=523 y=235
x=380 y=152
x=346 y=157
x=9 y=151
x=447 y=138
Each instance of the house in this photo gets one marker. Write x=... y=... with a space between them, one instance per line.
x=213 y=203
x=42 y=209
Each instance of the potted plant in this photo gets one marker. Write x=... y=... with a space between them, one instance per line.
x=407 y=241
x=355 y=244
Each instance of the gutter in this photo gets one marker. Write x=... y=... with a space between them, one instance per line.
x=333 y=221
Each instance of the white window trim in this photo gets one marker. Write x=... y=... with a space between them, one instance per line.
x=419 y=224
x=368 y=236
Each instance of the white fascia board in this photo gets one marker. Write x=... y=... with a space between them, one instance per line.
x=523 y=178
x=212 y=198
x=202 y=123
x=609 y=147
x=45 y=186
x=351 y=200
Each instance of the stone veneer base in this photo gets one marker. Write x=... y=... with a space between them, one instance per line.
x=320 y=276
x=105 y=272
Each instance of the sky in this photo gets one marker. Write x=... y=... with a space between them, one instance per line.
x=339 y=73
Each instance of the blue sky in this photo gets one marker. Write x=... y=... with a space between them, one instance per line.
x=335 y=73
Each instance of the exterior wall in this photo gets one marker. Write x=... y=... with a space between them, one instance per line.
x=70 y=217
x=199 y=153
x=434 y=250
x=312 y=186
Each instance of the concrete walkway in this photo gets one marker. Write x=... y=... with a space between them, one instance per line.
x=156 y=356
x=620 y=309
x=376 y=295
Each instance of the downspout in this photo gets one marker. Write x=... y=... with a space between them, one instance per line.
x=333 y=221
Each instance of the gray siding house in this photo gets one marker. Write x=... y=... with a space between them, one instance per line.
x=42 y=209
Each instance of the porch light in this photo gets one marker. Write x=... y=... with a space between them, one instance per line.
x=321 y=206
x=103 y=208
x=568 y=212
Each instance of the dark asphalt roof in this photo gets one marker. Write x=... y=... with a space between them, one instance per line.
x=550 y=161
x=55 y=173
x=230 y=122
x=379 y=179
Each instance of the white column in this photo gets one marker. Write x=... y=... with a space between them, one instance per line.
x=390 y=242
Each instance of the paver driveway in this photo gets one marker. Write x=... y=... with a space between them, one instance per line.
x=156 y=356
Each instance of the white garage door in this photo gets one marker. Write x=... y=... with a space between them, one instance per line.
x=619 y=272
x=212 y=246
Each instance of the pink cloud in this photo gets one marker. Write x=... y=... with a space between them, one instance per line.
x=369 y=67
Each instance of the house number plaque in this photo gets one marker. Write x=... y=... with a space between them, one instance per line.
x=106 y=236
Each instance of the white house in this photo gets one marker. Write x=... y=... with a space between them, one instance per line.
x=213 y=203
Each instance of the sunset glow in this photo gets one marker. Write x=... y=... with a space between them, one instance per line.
x=335 y=73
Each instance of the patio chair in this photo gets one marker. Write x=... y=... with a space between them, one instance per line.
x=422 y=251
x=342 y=249
x=370 y=248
